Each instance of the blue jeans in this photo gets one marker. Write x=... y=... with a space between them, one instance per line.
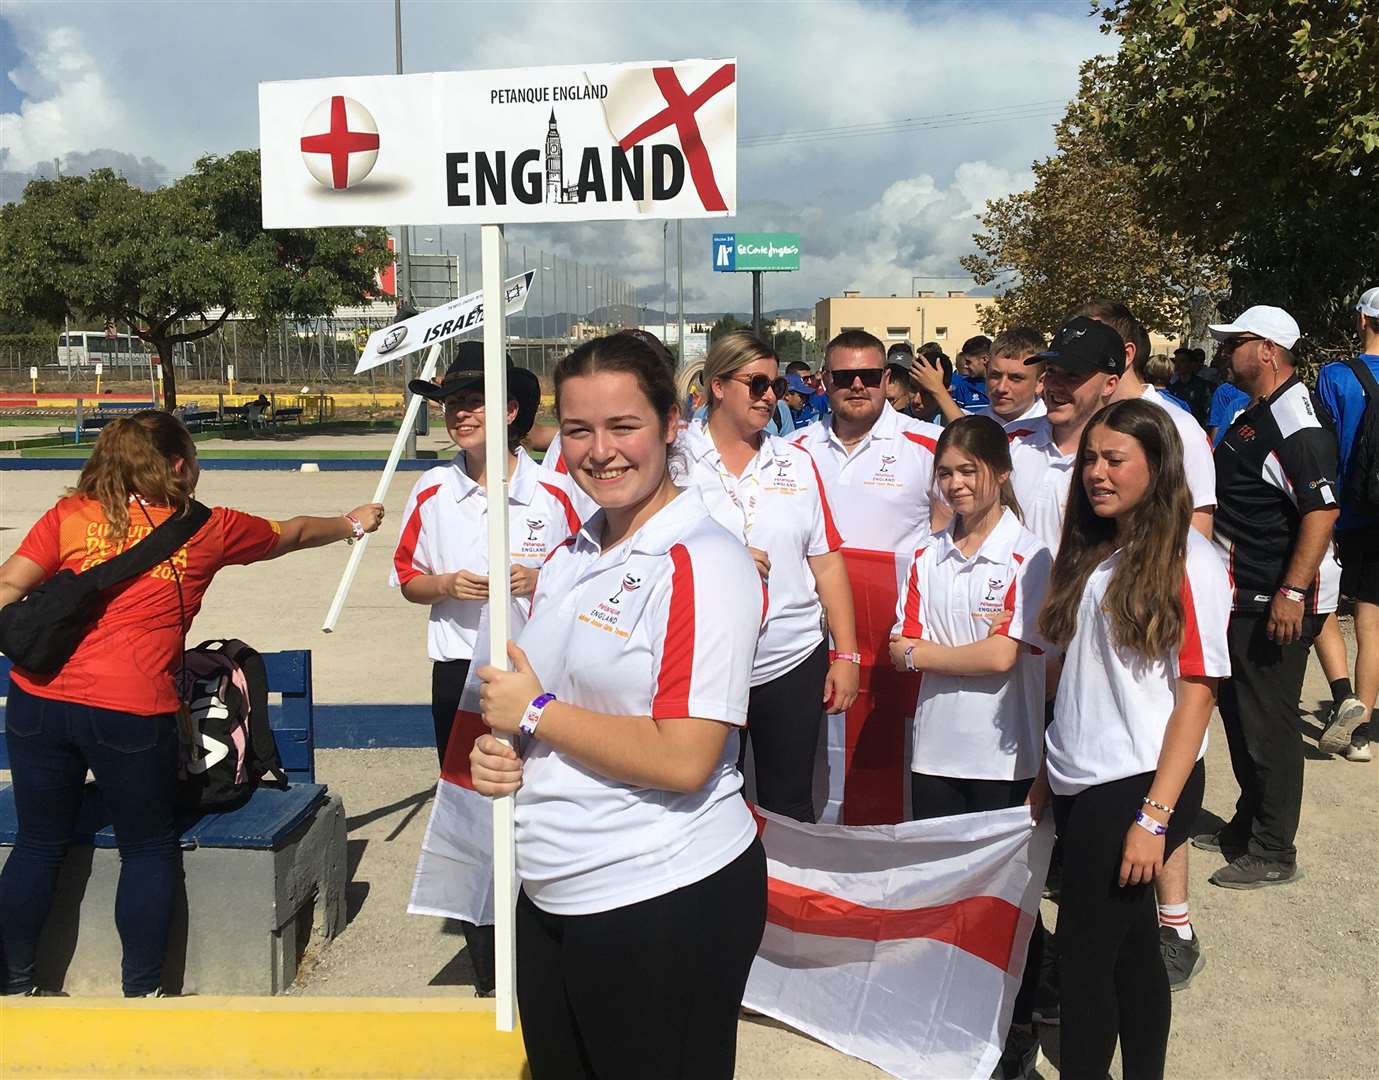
x=134 y=759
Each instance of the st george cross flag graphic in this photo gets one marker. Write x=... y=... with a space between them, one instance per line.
x=902 y=945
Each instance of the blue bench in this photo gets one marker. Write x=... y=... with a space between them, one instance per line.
x=259 y=880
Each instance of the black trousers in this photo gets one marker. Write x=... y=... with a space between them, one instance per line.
x=1112 y=976
x=447 y=684
x=943 y=796
x=784 y=718
x=1259 y=710
x=652 y=989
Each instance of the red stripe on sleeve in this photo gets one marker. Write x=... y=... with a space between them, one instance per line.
x=407 y=543
x=912 y=627
x=1018 y=433
x=677 y=654
x=835 y=539
x=563 y=497
x=929 y=444
x=1191 y=660
x=1009 y=603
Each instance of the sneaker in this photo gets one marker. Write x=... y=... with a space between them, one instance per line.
x=1020 y=1057
x=1219 y=841
x=1253 y=872
x=1358 y=750
x=1345 y=718
x=1182 y=959
x=34 y=991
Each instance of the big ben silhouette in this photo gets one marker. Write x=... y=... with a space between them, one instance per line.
x=555 y=169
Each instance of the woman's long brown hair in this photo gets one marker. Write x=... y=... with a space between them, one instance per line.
x=1145 y=596
x=134 y=455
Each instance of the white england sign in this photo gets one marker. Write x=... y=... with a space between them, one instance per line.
x=440 y=324
x=613 y=141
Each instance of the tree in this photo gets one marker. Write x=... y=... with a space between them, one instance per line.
x=1082 y=232
x=98 y=246
x=1254 y=125
x=727 y=324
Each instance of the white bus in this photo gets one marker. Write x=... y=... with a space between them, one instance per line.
x=82 y=348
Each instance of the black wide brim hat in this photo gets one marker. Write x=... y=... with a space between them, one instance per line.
x=467 y=373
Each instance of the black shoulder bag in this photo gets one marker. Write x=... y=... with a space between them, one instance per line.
x=41 y=631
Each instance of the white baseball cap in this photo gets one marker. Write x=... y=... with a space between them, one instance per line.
x=1263 y=321
x=1369 y=303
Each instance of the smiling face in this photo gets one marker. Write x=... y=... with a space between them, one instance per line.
x=967 y=485
x=464 y=418
x=1115 y=472
x=1011 y=386
x=733 y=396
x=1073 y=398
x=848 y=395
x=613 y=443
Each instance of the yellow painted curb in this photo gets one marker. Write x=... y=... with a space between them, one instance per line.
x=248 y=1038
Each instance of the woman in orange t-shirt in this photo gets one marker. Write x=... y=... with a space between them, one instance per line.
x=112 y=707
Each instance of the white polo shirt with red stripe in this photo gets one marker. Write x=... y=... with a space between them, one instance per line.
x=880 y=491
x=778 y=505
x=445 y=529
x=664 y=625
x=1113 y=704
x=982 y=727
x=1036 y=409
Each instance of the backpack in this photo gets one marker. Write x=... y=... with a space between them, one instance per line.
x=227 y=742
x=1360 y=488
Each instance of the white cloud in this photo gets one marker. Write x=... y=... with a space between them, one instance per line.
x=872 y=211
x=67 y=105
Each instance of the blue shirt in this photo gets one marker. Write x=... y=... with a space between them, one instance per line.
x=1344 y=398
x=1227 y=402
x=968 y=393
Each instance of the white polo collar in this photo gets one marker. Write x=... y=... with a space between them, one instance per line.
x=521 y=485
x=887 y=426
x=996 y=548
x=656 y=537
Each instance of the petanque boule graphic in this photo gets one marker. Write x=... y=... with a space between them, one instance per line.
x=339 y=142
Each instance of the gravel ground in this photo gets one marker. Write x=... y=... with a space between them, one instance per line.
x=1292 y=976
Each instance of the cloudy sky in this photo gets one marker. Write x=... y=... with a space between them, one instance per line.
x=148 y=87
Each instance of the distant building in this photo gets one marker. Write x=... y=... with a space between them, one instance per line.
x=803 y=327
x=950 y=318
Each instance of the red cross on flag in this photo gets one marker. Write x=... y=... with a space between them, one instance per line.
x=339 y=142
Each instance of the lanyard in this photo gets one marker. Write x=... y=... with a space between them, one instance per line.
x=747 y=505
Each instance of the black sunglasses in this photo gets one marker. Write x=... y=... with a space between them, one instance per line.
x=1232 y=343
x=758 y=384
x=869 y=376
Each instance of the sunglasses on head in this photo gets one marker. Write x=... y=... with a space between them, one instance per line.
x=758 y=384
x=870 y=376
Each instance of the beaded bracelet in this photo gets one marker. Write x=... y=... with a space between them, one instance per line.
x=1157 y=805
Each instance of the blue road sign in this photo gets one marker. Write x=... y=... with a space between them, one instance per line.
x=725 y=251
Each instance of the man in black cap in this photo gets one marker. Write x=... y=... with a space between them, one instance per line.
x=1083 y=366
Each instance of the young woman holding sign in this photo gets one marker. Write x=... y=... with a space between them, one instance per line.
x=643 y=882
x=1140 y=601
x=768 y=494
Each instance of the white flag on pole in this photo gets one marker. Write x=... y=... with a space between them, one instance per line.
x=903 y=945
x=438 y=324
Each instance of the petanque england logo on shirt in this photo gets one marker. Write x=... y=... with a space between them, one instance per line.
x=784 y=479
x=884 y=477
x=606 y=614
x=994 y=600
x=532 y=544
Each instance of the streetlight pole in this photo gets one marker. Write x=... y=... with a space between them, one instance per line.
x=665 y=279
x=680 y=290
x=404 y=258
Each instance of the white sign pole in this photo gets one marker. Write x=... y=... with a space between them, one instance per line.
x=499 y=604
x=409 y=419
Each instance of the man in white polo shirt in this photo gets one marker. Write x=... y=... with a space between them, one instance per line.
x=877 y=469
x=1013 y=388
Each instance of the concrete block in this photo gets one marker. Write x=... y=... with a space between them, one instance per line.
x=240 y=925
